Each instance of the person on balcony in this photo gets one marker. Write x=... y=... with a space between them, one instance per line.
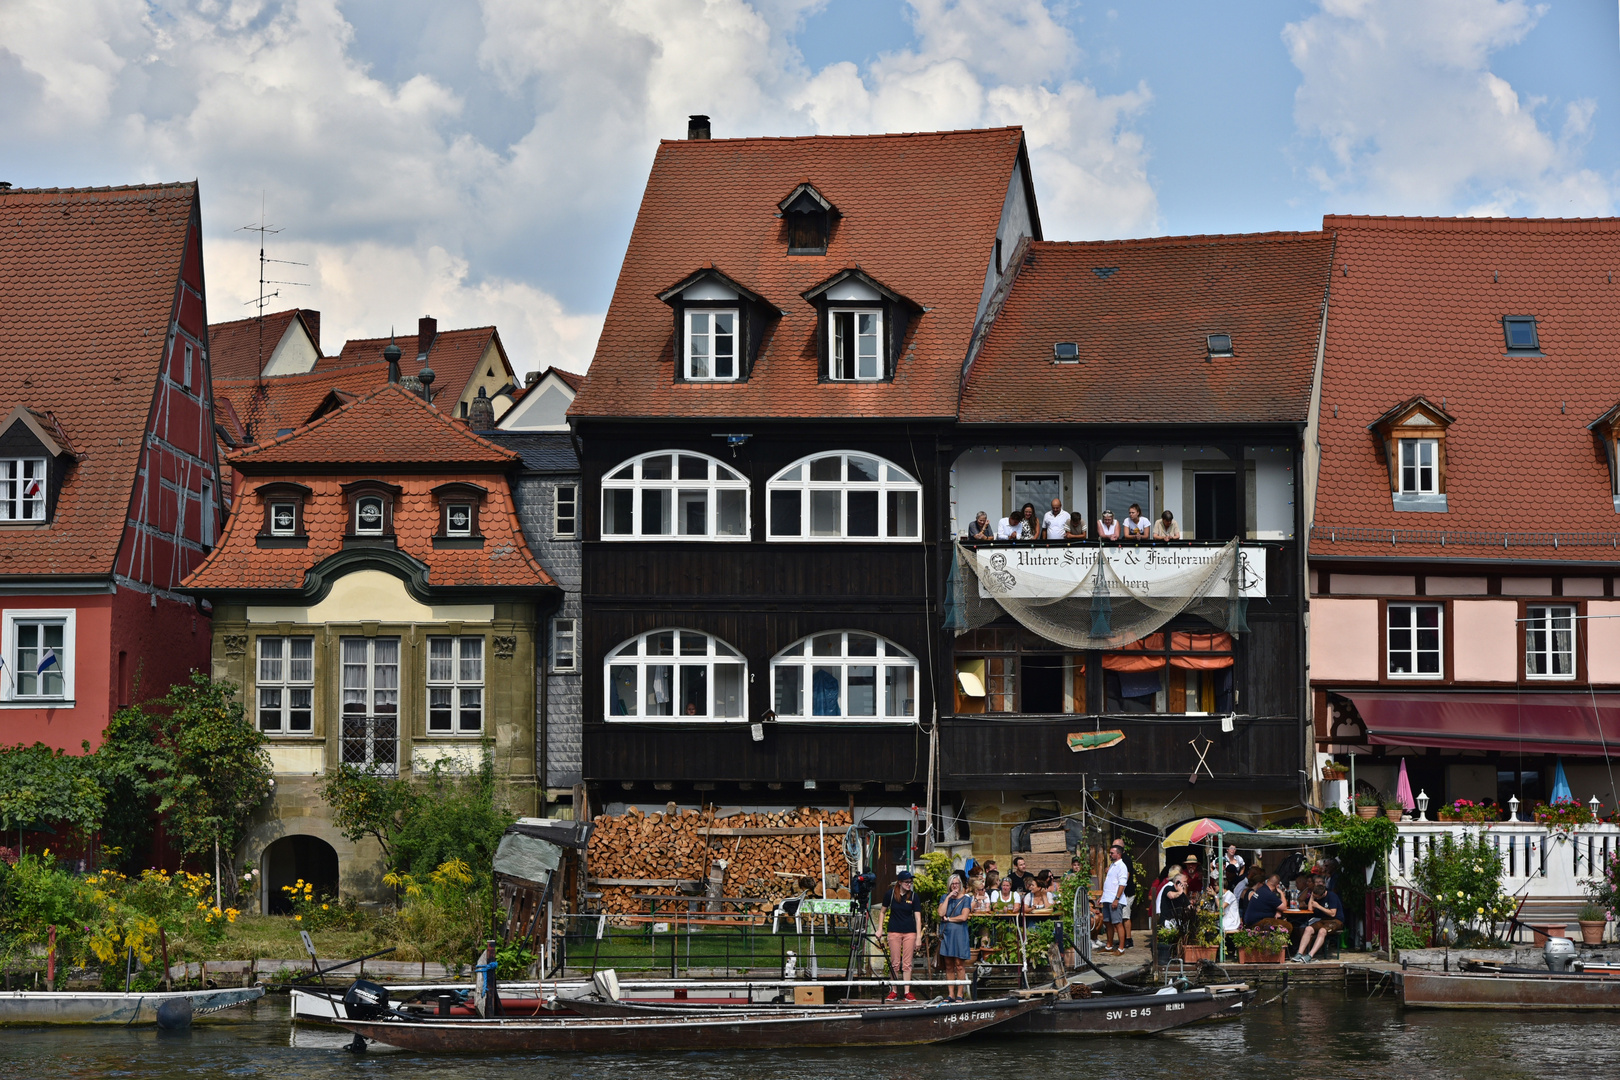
x=1136 y=526
x=980 y=529
x=1327 y=917
x=1007 y=528
x=1029 y=525
x=1108 y=528
x=1058 y=524
x=1166 y=528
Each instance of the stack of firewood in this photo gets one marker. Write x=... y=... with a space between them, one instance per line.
x=675 y=851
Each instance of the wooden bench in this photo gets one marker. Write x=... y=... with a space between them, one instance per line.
x=1545 y=916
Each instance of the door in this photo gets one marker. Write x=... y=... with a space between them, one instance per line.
x=371 y=703
x=1215 y=506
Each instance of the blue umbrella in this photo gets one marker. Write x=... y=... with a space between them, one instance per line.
x=1560 y=791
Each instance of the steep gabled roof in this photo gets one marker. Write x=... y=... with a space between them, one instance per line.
x=238 y=350
x=453 y=355
x=391 y=426
x=268 y=406
x=1417 y=310
x=918 y=212
x=88 y=280
x=1140 y=313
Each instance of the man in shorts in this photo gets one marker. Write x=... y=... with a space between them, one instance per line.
x=1113 y=899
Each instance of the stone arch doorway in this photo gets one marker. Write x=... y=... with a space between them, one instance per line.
x=291 y=858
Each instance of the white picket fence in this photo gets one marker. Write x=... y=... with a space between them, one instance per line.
x=1537 y=863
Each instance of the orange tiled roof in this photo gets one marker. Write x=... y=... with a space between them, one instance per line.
x=919 y=213
x=267 y=406
x=236 y=350
x=389 y=425
x=1140 y=311
x=87 y=287
x=1417 y=309
x=454 y=357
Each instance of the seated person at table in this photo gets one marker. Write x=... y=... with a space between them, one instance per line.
x=1038 y=897
x=1195 y=880
x=1166 y=528
x=1266 y=901
x=1327 y=917
x=1007 y=528
x=1007 y=893
x=1136 y=526
x=1020 y=875
x=1108 y=528
x=980 y=529
x=978 y=895
x=1251 y=880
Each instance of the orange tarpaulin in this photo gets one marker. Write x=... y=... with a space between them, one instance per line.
x=1184 y=641
x=1137 y=655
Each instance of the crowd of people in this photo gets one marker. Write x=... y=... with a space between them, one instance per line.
x=1306 y=903
x=1059 y=524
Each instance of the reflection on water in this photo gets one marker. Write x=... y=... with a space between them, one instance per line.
x=1319 y=1034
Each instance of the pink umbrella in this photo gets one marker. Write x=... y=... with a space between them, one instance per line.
x=1403 y=790
x=1208 y=828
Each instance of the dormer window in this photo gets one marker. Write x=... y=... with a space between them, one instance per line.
x=1414 y=440
x=283 y=518
x=1520 y=332
x=23 y=491
x=34 y=454
x=1218 y=344
x=371 y=509
x=711 y=344
x=458 y=519
x=459 y=504
x=855 y=350
x=807 y=218
x=369 y=514
x=283 y=524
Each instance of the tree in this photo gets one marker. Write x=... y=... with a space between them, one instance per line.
x=41 y=786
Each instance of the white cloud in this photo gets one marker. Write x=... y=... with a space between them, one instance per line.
x=1403 y=98
x=404 y=203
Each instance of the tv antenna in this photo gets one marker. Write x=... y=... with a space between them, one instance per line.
x=264 y=229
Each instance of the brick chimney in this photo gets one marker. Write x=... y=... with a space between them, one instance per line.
x=427 y=328
x=481 y=413
x=697 y=126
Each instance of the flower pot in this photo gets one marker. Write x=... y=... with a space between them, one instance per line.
x=1256 y=956
x=1369 y=812
x=1393 y=815
x=1334 y=774
x=1198 y=954
x=1592 y=931
x=1164 y=948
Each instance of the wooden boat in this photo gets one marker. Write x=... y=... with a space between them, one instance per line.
x=771 y=1028
x=1507 y=990
x=174 y=1009
x=1130 y=1014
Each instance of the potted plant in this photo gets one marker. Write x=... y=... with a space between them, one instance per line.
x=1198 y=944
x=1393 y=810
x=1261 y=946
x=1592 y=923
x=1367 y=805
x=1335 y=771
x=1164 y=940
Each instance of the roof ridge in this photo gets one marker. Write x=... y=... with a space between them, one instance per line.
x=1464 y=223
x=254 y=318
x=165 y=185
x=869 y=135
x=437 y=334
x=1190 y=239
x=343 y=410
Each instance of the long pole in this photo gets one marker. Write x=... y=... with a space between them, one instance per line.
x=821 y=829
x=218 y=896
x=1389 y=932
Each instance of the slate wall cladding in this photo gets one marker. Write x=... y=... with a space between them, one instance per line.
x=560 y=691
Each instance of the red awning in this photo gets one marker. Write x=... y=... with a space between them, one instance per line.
x=1527 y=723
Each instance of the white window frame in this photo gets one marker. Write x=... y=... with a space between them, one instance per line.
x=205 y=523
x=564 y=629
x=628 y=476
x=708 y=336
x=458 y=680
x=186 y=371
x=800 y=656
x=558 y=517
x=892 y=481
x=12 y=480
x=9 y=697
x=360 y=528
x=449 y=512
x=1419 y=467
x=1549 y=653
x=285 y=683
x=370 y=715
x=1414 y=652
x=634 y=656
x=292 y=527
x=877 y=372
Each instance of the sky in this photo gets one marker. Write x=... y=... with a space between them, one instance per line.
x=481 y=161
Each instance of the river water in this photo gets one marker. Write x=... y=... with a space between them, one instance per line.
x=1319 y=1033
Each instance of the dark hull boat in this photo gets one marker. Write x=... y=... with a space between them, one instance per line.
x=773 y=1028
x=1128 y=1014
x=1507 y=990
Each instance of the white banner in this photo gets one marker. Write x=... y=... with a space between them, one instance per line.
x=1040 y=573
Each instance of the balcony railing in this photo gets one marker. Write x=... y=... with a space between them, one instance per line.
x=1536 y=862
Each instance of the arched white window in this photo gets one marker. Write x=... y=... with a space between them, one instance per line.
x=844 y=496
x=674 y=495
x=844 y=673
x=676 y=674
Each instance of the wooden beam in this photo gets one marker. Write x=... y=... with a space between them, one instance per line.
x=721 y=831
x=661 y=882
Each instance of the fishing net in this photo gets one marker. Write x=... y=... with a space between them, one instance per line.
x=1097 y=597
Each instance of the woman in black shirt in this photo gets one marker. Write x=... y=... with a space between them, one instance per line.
x=904 y=913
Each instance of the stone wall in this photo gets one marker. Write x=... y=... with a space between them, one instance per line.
x=559 y=691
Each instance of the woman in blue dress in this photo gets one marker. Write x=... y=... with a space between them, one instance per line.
x=954 y=911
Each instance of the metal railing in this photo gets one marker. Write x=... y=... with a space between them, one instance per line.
x=1537 y=862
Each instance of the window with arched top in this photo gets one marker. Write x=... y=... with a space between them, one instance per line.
x=844 y=495
x=844 y=673
x=674 y=495
x=676 y=675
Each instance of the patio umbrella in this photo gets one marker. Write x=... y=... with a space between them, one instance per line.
x=1204 y=829
x=1560 y=790
x=1403 y=790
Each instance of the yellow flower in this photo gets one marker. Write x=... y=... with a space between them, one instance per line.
x=1482 y=911
x=298 y=918
x=323 y=907
x=1459 y=894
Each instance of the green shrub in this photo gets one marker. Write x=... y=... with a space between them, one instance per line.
x=1463 y=879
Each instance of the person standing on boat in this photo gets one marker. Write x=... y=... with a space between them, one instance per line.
x=904 y=908
x=954 y=947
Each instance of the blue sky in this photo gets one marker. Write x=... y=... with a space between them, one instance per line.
x=481 y=160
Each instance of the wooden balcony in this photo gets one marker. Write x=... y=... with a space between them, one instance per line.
x=790 y=753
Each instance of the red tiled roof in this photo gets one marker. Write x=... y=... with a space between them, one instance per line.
x=267 y=406
x=87 y=288
x=236 y=350
x=574 y=379
x=390 y=425
x=453 y=357
x=1140 y=311
x=919 y=214
x=1419 y=312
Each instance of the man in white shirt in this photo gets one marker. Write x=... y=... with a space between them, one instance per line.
x=1007 y=528
x=1059 y=524
x=1113 y=899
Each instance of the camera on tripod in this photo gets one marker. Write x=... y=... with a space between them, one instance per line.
x=861 y=886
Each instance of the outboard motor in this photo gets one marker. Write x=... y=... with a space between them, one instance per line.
x=366 y=1001
x=1560 y=952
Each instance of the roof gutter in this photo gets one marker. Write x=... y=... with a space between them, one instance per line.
x=57 y=585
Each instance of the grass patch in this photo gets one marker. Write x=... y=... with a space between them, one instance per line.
x=275 y=937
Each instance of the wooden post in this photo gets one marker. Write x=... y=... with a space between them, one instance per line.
x=163 y=940
x=50 y=960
